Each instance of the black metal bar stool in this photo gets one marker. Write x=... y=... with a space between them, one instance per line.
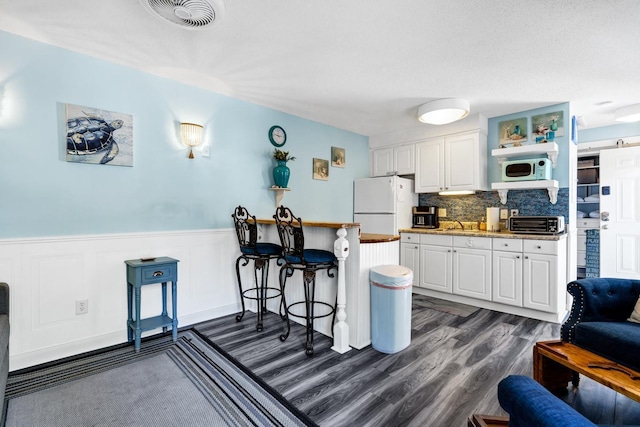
x=261 y=254
x=309 y=261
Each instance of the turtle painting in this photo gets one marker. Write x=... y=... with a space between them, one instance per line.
x=91 y=137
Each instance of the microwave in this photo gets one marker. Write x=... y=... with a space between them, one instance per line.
x=526 y=169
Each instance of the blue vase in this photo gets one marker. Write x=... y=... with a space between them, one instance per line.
x=281 y=174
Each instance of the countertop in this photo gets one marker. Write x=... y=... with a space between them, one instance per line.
x=324 y=224
x=377 y=238
x=478 y=233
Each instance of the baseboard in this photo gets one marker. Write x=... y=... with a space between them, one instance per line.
x=43 y=355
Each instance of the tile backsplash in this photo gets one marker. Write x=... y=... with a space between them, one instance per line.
x=473 y=207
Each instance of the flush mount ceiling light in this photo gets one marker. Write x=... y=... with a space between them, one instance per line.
x=628 y=114
x=189 y=14
x=443 y=111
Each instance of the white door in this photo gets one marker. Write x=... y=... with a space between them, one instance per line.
x=539 y=282
x=430 y=166
x=375 y=195
x=410 y=258
x=382 y=160
x=436 y=268
x=461 y=162
x=507 y=278
x=472 y=273
x=377 y=223
x=403 y=159
x=620 y=213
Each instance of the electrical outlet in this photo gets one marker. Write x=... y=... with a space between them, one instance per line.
x=82 y=306
x=514 y=212
x=504 y=214
x=205 y=151
x=442 y=212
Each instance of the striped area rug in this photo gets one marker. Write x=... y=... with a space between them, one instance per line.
x=188 y=383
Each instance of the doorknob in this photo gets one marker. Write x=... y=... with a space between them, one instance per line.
x=604 y=216
x=605 y=227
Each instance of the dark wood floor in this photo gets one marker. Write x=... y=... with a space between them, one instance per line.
x=450 y=370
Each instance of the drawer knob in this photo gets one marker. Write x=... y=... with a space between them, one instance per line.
x=158 y=273
x=539 y=247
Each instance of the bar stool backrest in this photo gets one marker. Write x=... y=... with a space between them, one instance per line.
x=291 y=234
x=246 y=229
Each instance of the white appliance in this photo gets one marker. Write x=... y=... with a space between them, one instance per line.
x=384 y=204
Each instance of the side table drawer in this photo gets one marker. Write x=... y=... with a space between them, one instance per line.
x=158 y=273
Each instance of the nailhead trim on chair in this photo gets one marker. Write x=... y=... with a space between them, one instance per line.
x=573 y=288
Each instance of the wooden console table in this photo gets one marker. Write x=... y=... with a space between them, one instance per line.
x=142 y=272
x=556 y=362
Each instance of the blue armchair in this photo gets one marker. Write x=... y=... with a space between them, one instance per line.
x=598 y=319
x=529 y=404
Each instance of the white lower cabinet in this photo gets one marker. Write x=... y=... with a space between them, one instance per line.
x=472 y=267
x=526 y=273
x=507 y=271
x=543 y=274
x=436 y=255
x=410 y=254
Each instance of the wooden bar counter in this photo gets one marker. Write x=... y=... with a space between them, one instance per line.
x=365 y=251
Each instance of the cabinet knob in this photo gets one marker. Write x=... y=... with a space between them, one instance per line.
x=526 y=257
x=539 y=247
x=517 y=256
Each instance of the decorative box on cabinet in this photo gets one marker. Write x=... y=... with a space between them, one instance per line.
x=398 y=160
x=452 y=163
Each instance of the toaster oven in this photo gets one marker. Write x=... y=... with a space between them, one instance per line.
x=537 y=224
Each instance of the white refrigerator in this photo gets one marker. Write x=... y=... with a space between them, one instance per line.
x=382 y=205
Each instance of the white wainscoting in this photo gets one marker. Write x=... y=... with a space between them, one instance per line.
x=47 y=275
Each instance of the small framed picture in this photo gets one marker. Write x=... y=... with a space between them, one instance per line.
x=338 y=157
x=546 y=127
x=321 y=169
x=512 y=132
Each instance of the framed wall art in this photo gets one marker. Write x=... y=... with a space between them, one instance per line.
x=338 y=157
x=97 y=136
x=512 y=133
x=321 y=169
x=546 y=127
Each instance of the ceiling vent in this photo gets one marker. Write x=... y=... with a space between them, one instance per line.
x=189 y=14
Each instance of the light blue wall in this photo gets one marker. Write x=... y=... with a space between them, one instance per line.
x=561 y=171
x=609 y=132
x=43 y=195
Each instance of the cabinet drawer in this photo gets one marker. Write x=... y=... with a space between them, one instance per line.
x=158 y=273
x=437 y=240
x=410 y=237
x=472 y=242
x=588 y=223
x=541 y=246
x=507 y=245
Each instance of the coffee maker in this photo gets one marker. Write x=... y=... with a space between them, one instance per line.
x=425 y=217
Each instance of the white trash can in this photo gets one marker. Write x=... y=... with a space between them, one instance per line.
x=390 y=307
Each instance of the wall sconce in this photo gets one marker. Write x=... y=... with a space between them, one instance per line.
x=191 y=134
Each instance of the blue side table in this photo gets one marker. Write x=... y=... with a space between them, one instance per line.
x=145 y=272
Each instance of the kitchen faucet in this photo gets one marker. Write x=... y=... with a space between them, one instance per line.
x=453 y=227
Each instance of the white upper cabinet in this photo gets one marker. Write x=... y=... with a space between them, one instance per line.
x=452 y=163
x=398 y=160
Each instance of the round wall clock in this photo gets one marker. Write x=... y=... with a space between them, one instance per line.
x=277 y=136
